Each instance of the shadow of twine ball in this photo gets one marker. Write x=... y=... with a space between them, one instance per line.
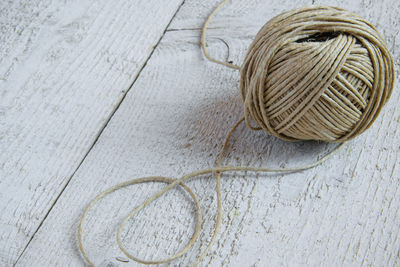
x=316 y=73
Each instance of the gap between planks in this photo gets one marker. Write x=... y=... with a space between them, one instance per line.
x=118 y=104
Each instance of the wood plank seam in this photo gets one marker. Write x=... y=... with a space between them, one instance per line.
x=100 y=131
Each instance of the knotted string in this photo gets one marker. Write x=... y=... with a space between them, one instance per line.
x=172 y=182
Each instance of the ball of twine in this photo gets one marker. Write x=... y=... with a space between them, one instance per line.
x=319 y=73
x=316 y=73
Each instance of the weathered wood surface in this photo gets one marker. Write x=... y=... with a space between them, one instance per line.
x=173 y=120
x=64 y=67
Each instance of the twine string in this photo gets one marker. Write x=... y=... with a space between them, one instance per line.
x=204 y=44
x=175 y=182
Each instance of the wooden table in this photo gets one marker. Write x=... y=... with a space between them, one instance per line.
x=94 y=93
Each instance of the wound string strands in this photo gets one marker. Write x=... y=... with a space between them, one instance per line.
x=316 y=73
x=354 y=81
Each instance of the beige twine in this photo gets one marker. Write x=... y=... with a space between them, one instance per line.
x=315 y=73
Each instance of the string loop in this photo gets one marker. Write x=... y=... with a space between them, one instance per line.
x=175 y=182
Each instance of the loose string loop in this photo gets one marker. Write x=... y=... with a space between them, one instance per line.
x=204 y=44
x=175 y=182
x=124 y=250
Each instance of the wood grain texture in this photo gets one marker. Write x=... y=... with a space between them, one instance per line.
x=344 y=212
x=64 y=68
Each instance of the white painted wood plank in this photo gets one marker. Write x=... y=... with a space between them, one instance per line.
x=64 y=67
x=344 y=212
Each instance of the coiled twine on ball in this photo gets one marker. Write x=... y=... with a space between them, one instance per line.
x=316 y=73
